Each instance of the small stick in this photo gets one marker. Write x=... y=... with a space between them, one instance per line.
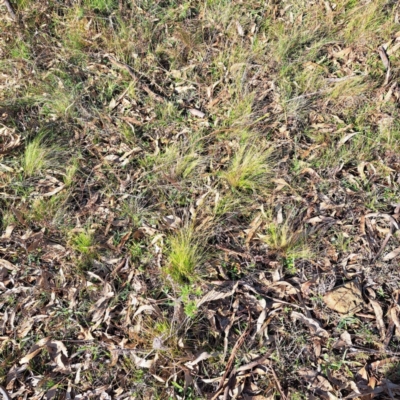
x=10 y=9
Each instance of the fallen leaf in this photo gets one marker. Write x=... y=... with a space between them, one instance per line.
x=197 y=113
x=6 y=264
x=312 y=324
x=392 y=254
x=379 y=317
x=345 y=139
x=59 y=355
x=345 y=299
x=34 y=350
x=239 y=29
x=142 y=362
x=213 y=295
x=203 y=356
x=8 y=232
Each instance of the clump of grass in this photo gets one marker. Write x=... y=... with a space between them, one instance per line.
x=182 y=166
x=70 y=173
x=283 y=239
x=348 y=88
x=35 y=157
x=101 y=5
x=48 y=210
x=249 y=169
x=83 y=242
x=20 y=51
x=184 y=256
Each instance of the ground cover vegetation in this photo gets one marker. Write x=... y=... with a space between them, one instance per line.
x=199 y=199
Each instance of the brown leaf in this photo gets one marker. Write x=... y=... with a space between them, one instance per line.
x=34 y=350
x=25 y=327
x=344 y=341
x=8 y=232
x=384 y=57
x=379 y=317
x=201 y=357
x=6 y=264
x=345 y=299
x=254 y=225
x=213 y=295
x=99 y=308
x=239 y=29
x=9 y=140
x=310 y=172
x=54 y=191
x=142 y=362
x=392 y=254
x=59 y=355
x=314 y=379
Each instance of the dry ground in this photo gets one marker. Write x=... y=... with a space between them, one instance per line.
x=184 y=188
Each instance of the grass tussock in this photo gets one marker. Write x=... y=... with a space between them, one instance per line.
x=249 y=169
x=181 y=185
x=185 y=256
x=36 y=157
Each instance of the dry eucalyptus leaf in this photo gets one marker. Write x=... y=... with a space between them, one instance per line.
x=35 y=349
x=213 y=295
x=345 y=299
x=313 y=325
x=197 y=113
x=379 y=317
x=392 y=254
x=6 y=264
x=59 y=355
x=142 y=362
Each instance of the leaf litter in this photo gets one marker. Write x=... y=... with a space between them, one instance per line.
x=294 y=289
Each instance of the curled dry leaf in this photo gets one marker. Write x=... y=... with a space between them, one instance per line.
x=15 y=373
x=317 y=382
x=346 y=138
x=344 y=341
x=99 y=308
x=25 y=327
x=239 y=29
x=8 y=232
x=310 y=172
x=9 y=140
